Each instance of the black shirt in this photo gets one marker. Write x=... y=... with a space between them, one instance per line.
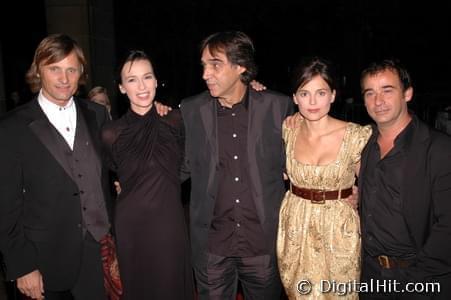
x=384 y=231
x=235 y=228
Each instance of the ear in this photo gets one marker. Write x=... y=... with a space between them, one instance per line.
x=294 y=99
x=156 y=83
x=121 y=88
x=408 y=94
x=334 y=93
x=241 y=69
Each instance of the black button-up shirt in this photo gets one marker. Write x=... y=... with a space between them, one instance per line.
x=384 y=229
x=235 y=228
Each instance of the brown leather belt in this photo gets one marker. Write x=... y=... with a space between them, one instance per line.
x=320 y=196
x=388 y=262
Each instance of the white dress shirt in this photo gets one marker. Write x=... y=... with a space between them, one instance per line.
x=63 y=118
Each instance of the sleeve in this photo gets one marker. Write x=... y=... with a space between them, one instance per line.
x=108 y=137
x=363 y=134
x=19 y=253
x=434 y=259
x=185 y=173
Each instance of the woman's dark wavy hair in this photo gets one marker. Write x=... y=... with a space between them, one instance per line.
x=310 y=67
x=238 y=48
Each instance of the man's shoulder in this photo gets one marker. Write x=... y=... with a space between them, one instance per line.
x=17 y=116
x=440 y=140
x=195 y=99
x=270 y=95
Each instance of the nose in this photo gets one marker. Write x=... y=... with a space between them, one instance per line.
x=142 y=85
x=64 y=78
x=312 y=100
x=206 y=73
x=379 y=99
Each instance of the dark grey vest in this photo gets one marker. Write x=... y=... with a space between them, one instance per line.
x=86 y=171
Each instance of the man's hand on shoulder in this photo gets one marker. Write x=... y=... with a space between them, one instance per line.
x=31 y=285
x=162 y=109
x=258 y=86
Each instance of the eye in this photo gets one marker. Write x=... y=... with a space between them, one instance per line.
x=368 y=94
x=322 y=93
x=302 y=94
x=387 y=91
x=148 y=77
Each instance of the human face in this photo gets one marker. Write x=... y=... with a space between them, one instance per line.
x=314 y=99
x=102 y=99
x=385 y=100
x=221 y=76
x=140 y=84
x=59 y=80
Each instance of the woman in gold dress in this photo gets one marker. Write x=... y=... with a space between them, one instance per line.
x=318 y=245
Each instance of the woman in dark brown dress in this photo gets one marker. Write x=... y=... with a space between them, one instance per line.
x=145 y=150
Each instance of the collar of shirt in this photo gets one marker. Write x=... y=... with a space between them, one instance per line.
x=244 y=102
x=63 y=118
x=404 y=137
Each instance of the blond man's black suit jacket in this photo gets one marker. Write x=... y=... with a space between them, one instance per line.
x=40 y=210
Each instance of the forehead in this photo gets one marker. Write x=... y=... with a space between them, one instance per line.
x=384 y=76
x=71 y=59
x=213 y=54
x=142 y=65
x=317 y=82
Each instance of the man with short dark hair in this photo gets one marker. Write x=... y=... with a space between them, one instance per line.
x=405 y=193
x=235 y=156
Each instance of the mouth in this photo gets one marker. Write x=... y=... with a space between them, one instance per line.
x=313 y=111
x=143 y=95
x=381 y=111
x=210 y=85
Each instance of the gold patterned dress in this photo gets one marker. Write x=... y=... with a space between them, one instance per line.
x=320 y=242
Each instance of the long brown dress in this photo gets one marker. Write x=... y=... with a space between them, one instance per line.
x=320 y=241
x=152 y=240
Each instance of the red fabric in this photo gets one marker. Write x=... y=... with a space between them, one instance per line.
x=112 y=279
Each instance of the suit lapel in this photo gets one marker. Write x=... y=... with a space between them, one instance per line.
x=209 y=120
x=48 y=135
x=255 y=127
x=411 y=197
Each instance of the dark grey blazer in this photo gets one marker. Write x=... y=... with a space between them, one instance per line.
x=426 y=202
x=40 y=211
x=266 y=157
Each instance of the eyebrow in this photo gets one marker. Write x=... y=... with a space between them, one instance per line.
x=214 y=59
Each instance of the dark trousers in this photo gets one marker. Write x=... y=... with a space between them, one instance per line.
x=89 y=285
x=218 y=276
x=386 y=279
